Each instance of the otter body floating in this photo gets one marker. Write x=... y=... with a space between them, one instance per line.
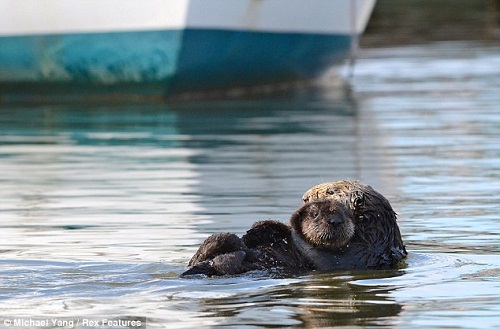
x=341 y=225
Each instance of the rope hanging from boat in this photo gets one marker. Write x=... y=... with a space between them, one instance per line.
x=354 y=39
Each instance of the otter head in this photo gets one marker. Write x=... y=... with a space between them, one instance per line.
x=363 y=200
x=326 y=224
x=376 y=230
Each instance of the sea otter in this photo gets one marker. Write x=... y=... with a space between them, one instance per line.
x=275 y=246
x=341 y=225
x=376 y=243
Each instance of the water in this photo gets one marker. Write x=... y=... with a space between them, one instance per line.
x=103 y=205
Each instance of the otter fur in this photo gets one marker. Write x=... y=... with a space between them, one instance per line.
x=376 y=243
x=341 y=225
x=268 y=245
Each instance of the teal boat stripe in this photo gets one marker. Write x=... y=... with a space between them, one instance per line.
x=183 y=60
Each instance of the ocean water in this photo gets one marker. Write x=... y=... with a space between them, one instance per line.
x=102 y=206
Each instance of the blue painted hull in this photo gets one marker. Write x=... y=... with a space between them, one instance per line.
x=173 y=61
x=249 y=58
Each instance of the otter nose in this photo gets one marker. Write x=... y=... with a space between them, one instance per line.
x=335 y=219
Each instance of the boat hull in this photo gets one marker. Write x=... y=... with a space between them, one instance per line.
x=185 y=49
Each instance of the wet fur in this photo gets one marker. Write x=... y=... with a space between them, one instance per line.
x=268 y=245
x=325 y=225
x=364 y=235
x=377 y=242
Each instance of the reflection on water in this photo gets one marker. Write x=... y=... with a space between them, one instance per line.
x=443 y=128
x=80 y=179
x=320 y=301
x=102 y=206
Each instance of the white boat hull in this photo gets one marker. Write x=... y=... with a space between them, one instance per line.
x=178 y=45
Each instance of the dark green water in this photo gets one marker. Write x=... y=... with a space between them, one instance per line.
x=101 y=206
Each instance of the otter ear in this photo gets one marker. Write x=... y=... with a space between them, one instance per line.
x=357 y=199
x=296 y=219
x=357 y=204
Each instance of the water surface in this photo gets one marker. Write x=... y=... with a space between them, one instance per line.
x=102 y=206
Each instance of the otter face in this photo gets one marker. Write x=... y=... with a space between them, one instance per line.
x=375 y=241
x=324 y=223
